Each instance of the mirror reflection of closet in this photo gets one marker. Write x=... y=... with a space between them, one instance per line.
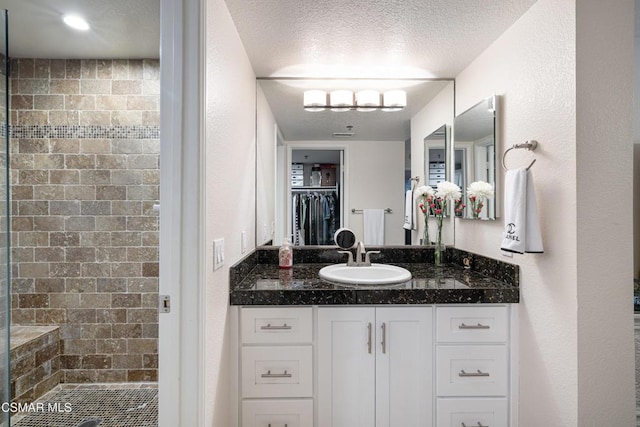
x=475 y=153
x=435 y=149
x=315 y=196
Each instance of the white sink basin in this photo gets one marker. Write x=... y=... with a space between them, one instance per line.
x=375 y=274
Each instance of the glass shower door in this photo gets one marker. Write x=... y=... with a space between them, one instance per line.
x=5 y=294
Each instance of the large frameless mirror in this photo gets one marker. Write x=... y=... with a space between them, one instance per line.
x=474 y=159
x=321 y=168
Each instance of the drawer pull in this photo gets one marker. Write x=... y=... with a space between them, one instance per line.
x=479 y=373
x=286 y=425
x=270 y=375
x=463 y=425
x=268 y=327
x=478 y=326
x=369 y=337
x=384 y=338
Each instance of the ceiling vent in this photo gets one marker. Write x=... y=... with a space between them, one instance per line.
x=343 y=134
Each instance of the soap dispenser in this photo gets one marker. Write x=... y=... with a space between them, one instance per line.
x=285 y=255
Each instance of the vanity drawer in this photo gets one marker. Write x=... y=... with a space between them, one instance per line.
x=472 y=370
x=472 y=324
x=472 y=413
x=277 y=372
x=291 y=325
x=277 y=413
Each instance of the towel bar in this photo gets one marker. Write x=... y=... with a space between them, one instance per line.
x=529 y=145
x=387 y=210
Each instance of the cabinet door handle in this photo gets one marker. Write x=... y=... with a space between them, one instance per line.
x=369 y=339
x=463 y=425
x=478 y=326
x=384 y=338
x=478 y=373
x=270 y=375
x=268 y=327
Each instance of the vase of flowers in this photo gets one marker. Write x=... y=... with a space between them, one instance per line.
x=478 y=193
x=424 y=195
x=446 y=193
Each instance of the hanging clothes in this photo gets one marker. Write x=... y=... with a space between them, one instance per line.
x=315 y=218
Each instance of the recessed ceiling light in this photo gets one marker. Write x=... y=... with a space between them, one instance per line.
x=75 y=21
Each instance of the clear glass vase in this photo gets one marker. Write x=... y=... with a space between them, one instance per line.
x=438 y=254
x=425 y=233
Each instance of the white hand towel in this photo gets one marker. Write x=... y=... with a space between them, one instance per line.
x=522 y=227
x=373 y=226
x=409 y=211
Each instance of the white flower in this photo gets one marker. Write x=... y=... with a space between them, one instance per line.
x=423 y=191
x=480 y=190
x=448 y=191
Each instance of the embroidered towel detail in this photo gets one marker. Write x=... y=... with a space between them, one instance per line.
x=409 y=211
x=522 y=227
x=373 y=226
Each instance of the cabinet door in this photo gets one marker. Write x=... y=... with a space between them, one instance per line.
x=404 y=374
x=346 y=367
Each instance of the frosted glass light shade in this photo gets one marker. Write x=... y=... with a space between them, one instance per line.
x=341 y=100
x=315 y=100
x=394 y=100
x=367 y=98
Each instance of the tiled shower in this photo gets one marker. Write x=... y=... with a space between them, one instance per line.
x=84 y=155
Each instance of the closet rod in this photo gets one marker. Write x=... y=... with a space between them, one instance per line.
x=310 y=190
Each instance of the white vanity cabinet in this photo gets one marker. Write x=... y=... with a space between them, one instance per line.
x=383 y=366
x=276 y=366
x=374 y=366
x=473 y=366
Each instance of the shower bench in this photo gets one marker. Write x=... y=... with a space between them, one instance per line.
x=35 y=361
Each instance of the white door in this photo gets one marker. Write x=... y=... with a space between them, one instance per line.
x=346 y=367
x=404 y=374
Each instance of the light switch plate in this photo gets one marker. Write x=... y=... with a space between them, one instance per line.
x=218 y=253
x=243 y=241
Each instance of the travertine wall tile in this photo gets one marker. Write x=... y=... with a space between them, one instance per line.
x=84 y=182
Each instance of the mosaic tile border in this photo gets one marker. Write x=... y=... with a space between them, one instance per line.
x=84 y=131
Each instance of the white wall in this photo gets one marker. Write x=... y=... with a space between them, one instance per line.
x=230 y=188
x=265 y=169
x=577 y=284
x=376 y=181
x=435 y=114
x=604 y=139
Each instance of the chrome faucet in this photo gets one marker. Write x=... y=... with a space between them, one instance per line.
x=363 y=258
x=360 y=251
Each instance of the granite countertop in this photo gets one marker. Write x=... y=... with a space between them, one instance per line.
x=257 y=280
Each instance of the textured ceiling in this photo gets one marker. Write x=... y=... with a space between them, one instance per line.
x=373 y=38
x=119 y=29
x=378 y=38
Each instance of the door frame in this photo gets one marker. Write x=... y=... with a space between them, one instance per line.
x=181 y=340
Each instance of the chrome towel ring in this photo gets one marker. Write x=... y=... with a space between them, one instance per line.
x=529 y=145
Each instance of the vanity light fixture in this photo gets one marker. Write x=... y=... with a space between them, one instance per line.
x=364 y=100
x=315 y=100
x=341 y=100
x=394 y=100
x=368 y=100
x=75 y=21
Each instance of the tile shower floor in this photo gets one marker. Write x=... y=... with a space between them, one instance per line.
x=114 y=405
